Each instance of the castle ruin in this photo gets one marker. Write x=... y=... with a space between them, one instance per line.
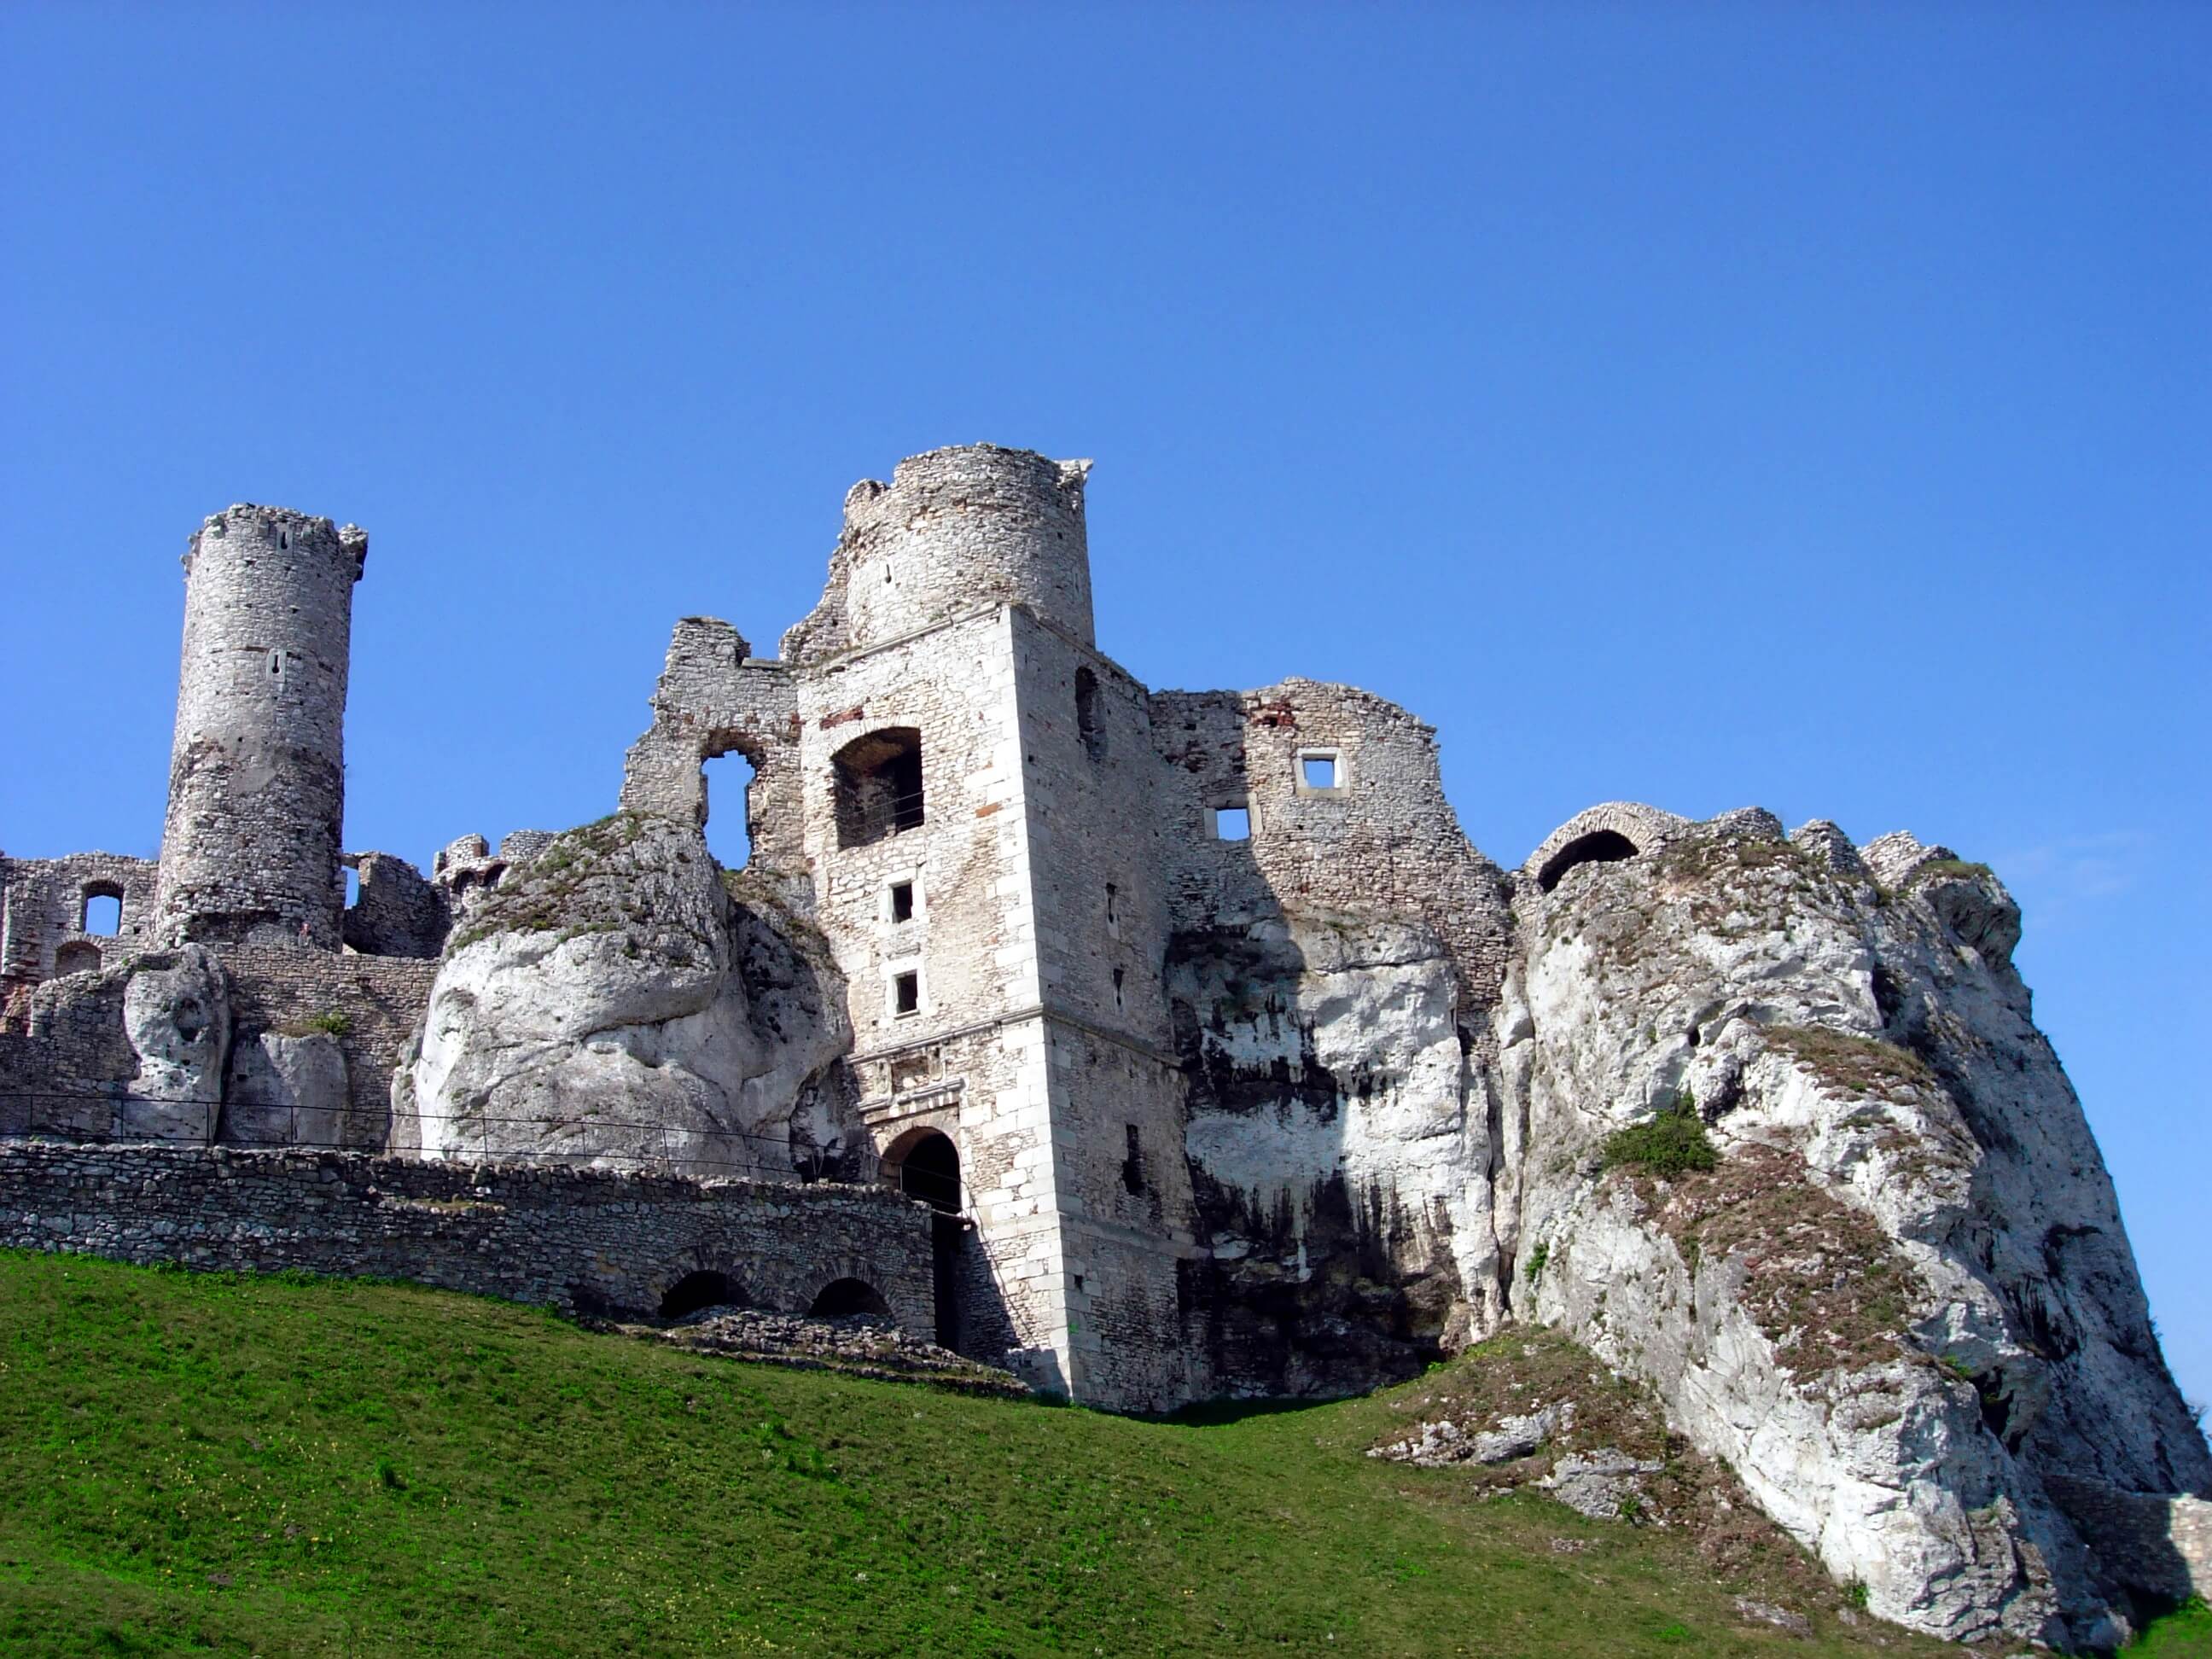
x=1155 y=1045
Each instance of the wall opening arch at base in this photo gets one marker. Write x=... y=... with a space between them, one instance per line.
x=842 y=1298
x=702 y=1289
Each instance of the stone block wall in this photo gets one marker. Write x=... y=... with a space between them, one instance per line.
x=582 y=1241
x=1383 y=840
x=282 y=989
x=42 y=916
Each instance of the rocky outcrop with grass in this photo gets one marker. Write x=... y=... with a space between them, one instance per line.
x=615 y=1001
x=1782 y=1141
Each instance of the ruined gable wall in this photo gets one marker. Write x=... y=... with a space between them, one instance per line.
x=1386 y=841
x=713 y=698
x=42 y=913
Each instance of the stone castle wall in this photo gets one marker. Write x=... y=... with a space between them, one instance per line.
x=42 y=916
x=583 y=1241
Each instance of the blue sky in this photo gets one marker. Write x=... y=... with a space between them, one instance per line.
x=1797 y=405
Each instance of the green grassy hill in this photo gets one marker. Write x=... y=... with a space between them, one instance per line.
x=198 y=1463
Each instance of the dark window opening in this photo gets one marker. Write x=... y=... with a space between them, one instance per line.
x=1119 y=1004
x=284 y=541
x=276 y=665
x=1133 y=1166
x=842 y=1298
x=76 y=957
x=906 y=991
x=701 y=1290
x=728 y=780
x=879 y=783
x=1598 y=847
x=902 y=901
x=103 y=911
x=1232 y=824
x=1086 y=715
x=1113 y=904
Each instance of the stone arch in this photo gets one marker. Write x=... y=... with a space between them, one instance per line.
x=1613 y=831
x=842 y=1298
x=925 y=1163
x=877 y=780
x=77 y=956
x=703 y=1287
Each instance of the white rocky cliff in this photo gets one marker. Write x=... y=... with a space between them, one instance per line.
x=610 y=1003
x=1900 y=1302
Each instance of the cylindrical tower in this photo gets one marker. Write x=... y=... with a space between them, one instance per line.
x=958 y=528
x=257 y=773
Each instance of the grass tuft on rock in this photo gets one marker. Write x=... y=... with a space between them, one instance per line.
x=1674 y=1142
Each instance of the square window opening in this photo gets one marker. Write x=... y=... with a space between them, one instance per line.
x=1318 y=771
x=906 y=993
x=1231 y=823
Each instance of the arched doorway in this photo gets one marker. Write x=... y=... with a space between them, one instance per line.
x=924 y=1163
x=700 y=1290
x=842 y=1298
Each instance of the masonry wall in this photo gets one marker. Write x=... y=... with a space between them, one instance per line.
x=42 y=913
x=582 y=1241
x=1385 y=841
x=281 y=987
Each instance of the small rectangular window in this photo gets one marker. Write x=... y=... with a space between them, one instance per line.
x=1321 y=772
x=1231 y=823
x=902 y=901
x=1133 y=1167
x=906 y=993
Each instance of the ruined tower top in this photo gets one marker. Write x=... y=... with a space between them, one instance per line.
x=955 y=529
x=257 y=771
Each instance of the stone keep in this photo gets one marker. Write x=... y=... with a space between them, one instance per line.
x=257 y=773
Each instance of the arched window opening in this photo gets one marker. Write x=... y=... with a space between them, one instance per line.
x=1086 y=715
x=844 y=1298
x=925 y=1165
x=1598 y=847
x=76 y=957
x=878 y=782
x=700 y=1290
x=729 y=780
x=103 y=910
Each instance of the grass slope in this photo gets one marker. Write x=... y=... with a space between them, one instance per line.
x=209 y=1463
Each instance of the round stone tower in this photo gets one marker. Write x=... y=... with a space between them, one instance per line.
x=959 y=528
x=257 y=773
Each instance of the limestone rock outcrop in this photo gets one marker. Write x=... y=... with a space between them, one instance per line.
x=176 y=1015
x=285 y=1091
x=1339 y=1171
x=608 y=1003
x=1901 y=1301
